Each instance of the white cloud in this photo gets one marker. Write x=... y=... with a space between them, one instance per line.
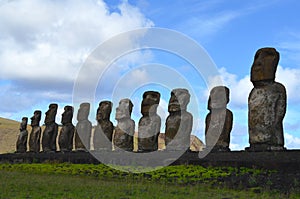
x=235 y=147
x=205 y=26
x=239 y=88
x=44 y=43
x=162 y=111
x=289 y=77
x=291 y=141
x=50 y=39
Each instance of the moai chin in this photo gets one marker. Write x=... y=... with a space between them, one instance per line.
x=150 y=123
x=266 y=103
x=83 y=128
x=124 y=131
x=179 y=123
x=104 y=129
x=51 y=130
x=218 y=122
x=65 y=138
x=35 y=135
x=21 y=144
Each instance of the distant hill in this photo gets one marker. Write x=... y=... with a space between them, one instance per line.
x=196 y=143
x=9 y=131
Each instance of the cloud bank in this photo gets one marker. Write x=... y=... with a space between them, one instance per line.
x=44 y=43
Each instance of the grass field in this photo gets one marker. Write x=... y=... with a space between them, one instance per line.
x=99 y=181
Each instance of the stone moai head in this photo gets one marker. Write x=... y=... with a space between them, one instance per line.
x=23 y=125
x=179 y=100
x=83 y=111
x=264 y=65
x=150 y=102
x=124 y=109
x=218 y=97
x=104 y=110
x=67 y=115
x=36 y=118
x=51 y=113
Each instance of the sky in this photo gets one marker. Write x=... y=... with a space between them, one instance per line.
x=45 y=44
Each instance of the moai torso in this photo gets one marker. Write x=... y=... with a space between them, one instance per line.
x=179 y=123
x=218 y=123
x=266 y=103
x=124 y=131
x=104 y=129
x=22 y=138
x=150 y=123
x=83 y=128
x=51 y=130
x=35 y=135
x=65 y=139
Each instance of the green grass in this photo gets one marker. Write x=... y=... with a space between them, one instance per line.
x=181 y=174
x=100 y=181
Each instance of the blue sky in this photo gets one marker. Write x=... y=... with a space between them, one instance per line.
x=43 y=45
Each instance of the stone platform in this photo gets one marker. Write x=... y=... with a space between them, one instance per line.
x=288 y=160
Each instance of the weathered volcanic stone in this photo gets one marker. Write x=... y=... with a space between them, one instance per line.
x=104 y=129
x=266 y=103
x=124 y=131
x=150 y=123
x=65 y=138
x=83 y=128
x=179 y=123
x=22 y=138
x=218 y=123
x=51 y=130
x=36 y=131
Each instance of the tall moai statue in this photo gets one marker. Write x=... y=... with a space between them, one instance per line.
x=218 y=122
x=65 y=138
x=83 y=128
x=36 y=131
x=179 y=123
x=21 y=144
x=51 y=130
x=105 y=128
x=266 y=103
x=124 y=131
x=150 y=123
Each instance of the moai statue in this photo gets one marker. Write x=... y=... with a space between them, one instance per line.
x=104 y=129
x=22 y=138
x=149 y=124
x=266 y=103
x=35 y=135
x=179 y=123
x=218 y=123
x=124 y=131
x=65 y=139
x=51 y=130
x=83 y=128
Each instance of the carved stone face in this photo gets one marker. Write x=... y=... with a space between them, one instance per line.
x=124 y=110
x=150 y=102
x=67 y=115
x=218 y=98
x=36 y=118
x=264 y=65
x=23 y=124
x=179 y=100
x=83 y=111
x=51 y=113
x=104 y=110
